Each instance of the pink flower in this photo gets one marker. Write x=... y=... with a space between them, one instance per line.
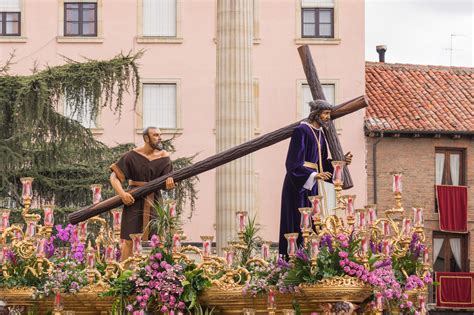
x=155 y=241
x=343 y=254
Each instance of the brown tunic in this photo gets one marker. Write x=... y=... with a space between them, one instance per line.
x=134 y=166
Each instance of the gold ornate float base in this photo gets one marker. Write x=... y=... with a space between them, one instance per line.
x=310 y=298
x=81 y=304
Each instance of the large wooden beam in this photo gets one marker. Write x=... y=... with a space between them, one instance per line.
x=210 y=163
x=330 y=131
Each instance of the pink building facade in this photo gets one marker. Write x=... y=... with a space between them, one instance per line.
x=178 y=72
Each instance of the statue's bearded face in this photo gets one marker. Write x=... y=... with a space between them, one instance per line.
x=324 y=117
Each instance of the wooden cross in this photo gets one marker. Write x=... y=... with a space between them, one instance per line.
x=329 y=129
x=242 y=149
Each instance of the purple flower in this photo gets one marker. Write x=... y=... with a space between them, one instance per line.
x=155 y=241
x=326 y=240
x=301 y=255
x=343 y=254
x=49 y=248
x=282 y=263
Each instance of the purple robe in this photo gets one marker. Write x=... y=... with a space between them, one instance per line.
x=303 y=148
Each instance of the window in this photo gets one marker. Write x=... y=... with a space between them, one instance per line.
x=80 y=19
x=329 y=91
x=450 y=167
x=450 y=252
x=10 y=18
x=82 y=116
x=317 y=18
x=159 y=18
x=160 y=105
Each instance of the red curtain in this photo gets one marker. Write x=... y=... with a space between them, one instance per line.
x=455 y=289
x=452 y=208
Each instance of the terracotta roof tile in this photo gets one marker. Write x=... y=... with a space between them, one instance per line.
x=415 y=98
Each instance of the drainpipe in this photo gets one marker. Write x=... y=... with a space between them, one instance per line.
x=374 y=164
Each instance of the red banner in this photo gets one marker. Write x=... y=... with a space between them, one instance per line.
x=452 y=208
x=455 y=290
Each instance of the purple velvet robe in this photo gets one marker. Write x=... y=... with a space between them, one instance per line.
x=303 y=147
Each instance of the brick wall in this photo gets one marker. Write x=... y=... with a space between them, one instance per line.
x=415 y=157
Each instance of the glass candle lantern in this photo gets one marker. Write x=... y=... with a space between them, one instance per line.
x=18 y=231
x=109 y=252
x=241 y=220
x=314 y=243
x=176 y=242
x=349 y=202
x=291 y=239
x=360 y=218
x=418 y=217
x=27 y=190
x=229 y=254
x=265 y=250
x=397 y=182
x=136 y=243
x=386 y=228
x=82 y=230
x=338 y=166
x=315 y=205
x=305 y=218
x=206 y=245
x=379 y=301
x=371 y=214
x=386 y=247
x=271 y=297
x=31 y=224
x=96 y=193
x=172 y=208
x=40 y=247
x=116 y=219
x=406 y=227
x=5 y=219
x=90 y=257
x=48 y=215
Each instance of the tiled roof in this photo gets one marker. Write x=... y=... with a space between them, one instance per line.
x=417 y=98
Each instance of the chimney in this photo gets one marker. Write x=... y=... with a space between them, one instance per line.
x=381 y=49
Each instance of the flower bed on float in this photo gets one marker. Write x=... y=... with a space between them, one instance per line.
x=359 y=261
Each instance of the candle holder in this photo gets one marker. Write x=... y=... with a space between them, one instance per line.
x=291 y=240
x=241 y=219
x=58 y=305
x=360 y=220
x=305 y=223
x=136 y=244
x=229 y=254
x=314 y=248
x=316 y=205
x=348 y=202
x=371 y=211
x=271 y=300
x=265 y=250
x=337 y=179
x=96 y=193
x=116 y=223
x=206 y=246
x=82 y=231
x=418 y=221
x=5 y=219
x=27 y=193
x=397 y=192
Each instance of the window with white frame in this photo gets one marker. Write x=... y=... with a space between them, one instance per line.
x=83 y=115
x=329 y=91
x=159 y=105
x=10 y=17
x=159 y=18
x=317 y=18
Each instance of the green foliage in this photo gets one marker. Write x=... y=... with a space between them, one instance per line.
x=251 y=240
x=194 y=284
x=122 y=289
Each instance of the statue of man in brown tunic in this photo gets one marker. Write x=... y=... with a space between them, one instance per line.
x=139 y=166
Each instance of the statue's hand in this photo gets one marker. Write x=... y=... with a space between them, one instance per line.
x=127 y=199
x=170 y=183
x=348 y=158
x=324 y=175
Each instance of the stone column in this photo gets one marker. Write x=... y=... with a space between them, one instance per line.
x=235 y=114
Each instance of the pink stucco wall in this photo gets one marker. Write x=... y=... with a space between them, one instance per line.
x=276 y=66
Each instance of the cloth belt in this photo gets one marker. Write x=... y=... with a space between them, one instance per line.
x=311 y=165
x=149 y=199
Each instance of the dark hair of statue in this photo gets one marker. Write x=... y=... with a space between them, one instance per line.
x=146 y=132
x=316 y=107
